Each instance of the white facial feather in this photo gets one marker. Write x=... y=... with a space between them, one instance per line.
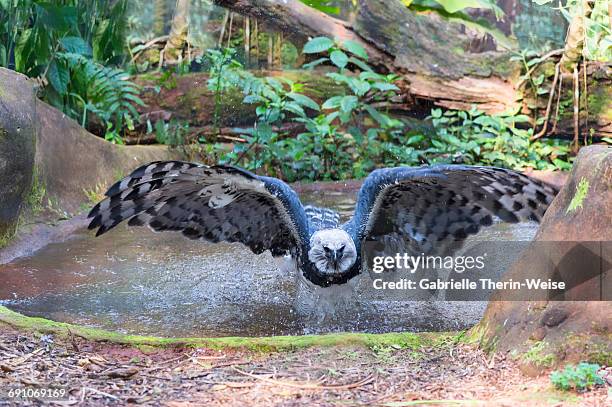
x=333 y=239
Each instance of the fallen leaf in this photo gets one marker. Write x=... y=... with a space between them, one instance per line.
x=122 y=373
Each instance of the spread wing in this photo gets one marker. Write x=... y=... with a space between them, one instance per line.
x=218 y=203
x=433 y=209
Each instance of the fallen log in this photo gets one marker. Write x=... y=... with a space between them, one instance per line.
x=429 y=52
x=189 y=100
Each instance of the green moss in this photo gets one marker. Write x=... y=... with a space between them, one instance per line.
x=37 y=193
x=600 y=102
x=147 y=77
x=482 y=335
x=94 y=195
x=5 y=238
x=475 y=334
x=581 y=192
x=538 y=354
x=599 y=353
x=595 y=346
x=261 y=344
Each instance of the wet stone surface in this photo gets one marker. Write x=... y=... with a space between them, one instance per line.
x=135 y=281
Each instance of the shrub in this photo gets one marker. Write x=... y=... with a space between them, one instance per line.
x=581 y=377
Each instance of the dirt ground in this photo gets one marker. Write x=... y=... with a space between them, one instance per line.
x=97 y=374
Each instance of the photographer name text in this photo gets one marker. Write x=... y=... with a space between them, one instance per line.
x=466 y=284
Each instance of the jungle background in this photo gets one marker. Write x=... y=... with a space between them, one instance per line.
x=306 y=91
x=320 y=90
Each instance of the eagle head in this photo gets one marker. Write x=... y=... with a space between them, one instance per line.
x=332 y=251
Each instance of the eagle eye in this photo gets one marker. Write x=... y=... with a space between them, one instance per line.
x=327 y=249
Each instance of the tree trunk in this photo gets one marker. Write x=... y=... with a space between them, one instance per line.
x=159 y=18
x=178 y=32
x=277 y=62
x=430 y=53
x=575 y=36
x=247 y=41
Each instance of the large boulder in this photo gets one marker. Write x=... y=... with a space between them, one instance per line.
x=572 y=245
x=17 y=147
x=47 y=160
x=75 y=167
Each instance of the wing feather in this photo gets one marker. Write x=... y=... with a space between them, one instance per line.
x=433 y=209
x=215 y=204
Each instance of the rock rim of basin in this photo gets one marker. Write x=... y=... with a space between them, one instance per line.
x=262 y=343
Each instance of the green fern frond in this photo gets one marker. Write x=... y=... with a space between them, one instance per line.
x=106 y=92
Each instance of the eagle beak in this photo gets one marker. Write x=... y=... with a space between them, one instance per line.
x=335 y=257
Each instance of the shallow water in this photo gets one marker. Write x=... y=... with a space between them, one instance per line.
x=135 y=281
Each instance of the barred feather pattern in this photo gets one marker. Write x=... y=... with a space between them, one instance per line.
x=210 y=203
x=432 y=210
x=321 y=218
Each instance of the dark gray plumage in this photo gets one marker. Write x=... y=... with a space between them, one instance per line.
x=421 y=210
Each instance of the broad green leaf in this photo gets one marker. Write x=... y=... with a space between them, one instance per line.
x=414 y=139
x=479 y=24
x=76 y=45
x=295 y=108
x=250 y=99
x=331 y=117
x=23 y=49
x=314 y=63
x=376 y=115
x=359 y=87
x=452 y=6
x=332 y=102
x=322 y=5
x=371 y=76
x=453 y=140
x=359 y=63
x=384 y=86
x=318 y=44
x=348 y=103
x=58 y=77
x=340 y=78
x=138 y=48
x=304 y=101
x=355 y=48
x=60 y=18
x=275 y=84
x=339 y=58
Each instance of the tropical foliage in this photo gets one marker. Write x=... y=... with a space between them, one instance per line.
x=69 y=47
x=79 y=54
x=348 y=135
x=598 y=27
x=475 y=138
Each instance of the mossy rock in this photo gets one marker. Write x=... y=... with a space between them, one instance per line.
x=579 y=328
x=17 y=148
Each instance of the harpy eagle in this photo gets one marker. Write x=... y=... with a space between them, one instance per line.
x=420 y=209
